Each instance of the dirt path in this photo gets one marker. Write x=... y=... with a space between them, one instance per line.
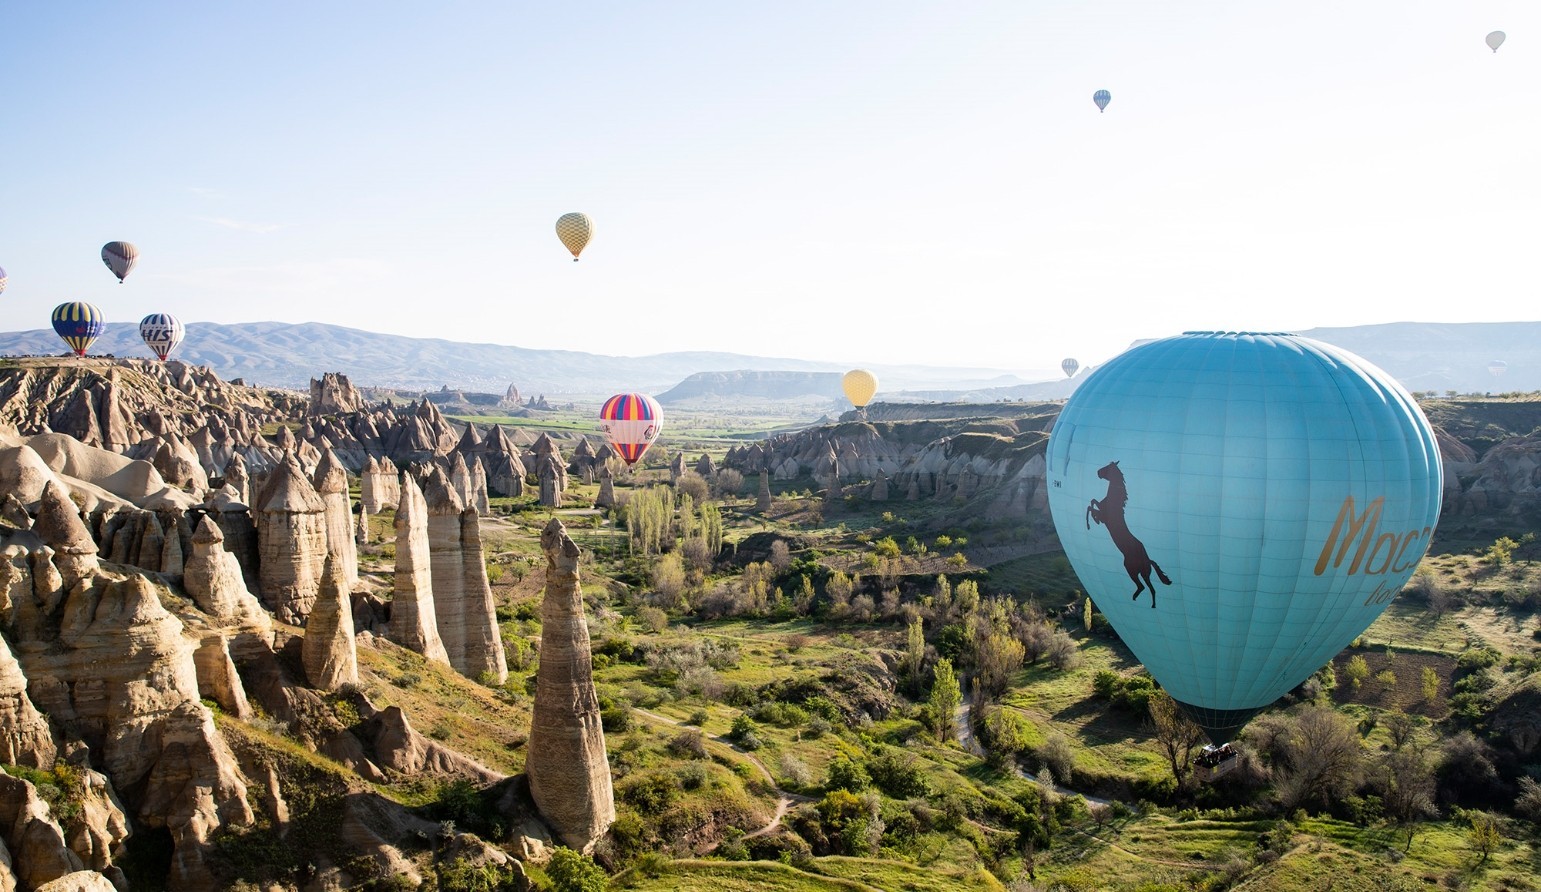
x=785 y=799
x=971 y=744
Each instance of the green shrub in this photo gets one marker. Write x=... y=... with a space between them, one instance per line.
x=899 y=774
x=847 y=775
x=572 y=872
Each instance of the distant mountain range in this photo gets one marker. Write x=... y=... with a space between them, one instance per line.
x=281 y=354
x=1423 y=356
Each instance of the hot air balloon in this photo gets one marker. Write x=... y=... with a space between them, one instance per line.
x=2 y=280
x=1497 y=367
x=1069 y=366
x=78 y=324
x=162 y=332
x=859 y=386
x=120 y=257
x=1495 y=39
x=1102 y=98
x=1241 y=506
x=632 y=421
x=574 y=230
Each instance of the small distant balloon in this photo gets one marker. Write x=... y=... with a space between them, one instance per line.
x=631 y=421
x=1495 y=40
x=1497 y=367
x=78 y=324
x=162 y=332
x=574 y=230
x=2 y=280
x=1070 y=366
x=1102 y=98
x=120 y=257
x=860 y=386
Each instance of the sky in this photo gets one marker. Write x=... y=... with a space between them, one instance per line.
x=853 y=182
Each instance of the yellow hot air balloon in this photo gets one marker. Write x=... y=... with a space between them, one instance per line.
x=574 y=230
x=859 y=385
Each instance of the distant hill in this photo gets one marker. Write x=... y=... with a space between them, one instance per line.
x=1423 y=356
x=285 y=354
x=764 y=385
x=1447 y=356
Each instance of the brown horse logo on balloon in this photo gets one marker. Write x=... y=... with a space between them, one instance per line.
x=1109 y=512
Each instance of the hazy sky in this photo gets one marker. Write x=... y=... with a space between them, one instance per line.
x=874 y=182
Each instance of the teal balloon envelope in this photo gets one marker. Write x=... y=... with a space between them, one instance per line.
x=1241 y=506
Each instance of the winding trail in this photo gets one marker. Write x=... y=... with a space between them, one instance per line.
x=785 y=799
x=964 y=728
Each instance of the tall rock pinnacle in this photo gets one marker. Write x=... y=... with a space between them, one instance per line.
x=568 y=771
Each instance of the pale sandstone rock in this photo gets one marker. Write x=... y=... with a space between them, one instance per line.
x=291 y=537
x=414 y=618
x=217 y=677
x=447 y=563
x=25 y=738
x=79 y=881
x=483 y=642
x=98 y=833
x=568 y=771
x=39 y=853
x=606 y=497
x=331 y=481
x=329 y=655
x=59 y=525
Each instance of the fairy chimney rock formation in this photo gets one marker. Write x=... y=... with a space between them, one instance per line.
x=606 y=497
x=328 y=654
x=334 y=394
x=762 y=502
x=238 y=479
x=414 y=623
x=483 y=643
x=331 y=480
x=379 y=489
x=59 y=525
x=568 y=771
x=478 y=499
x=447 y=563
x=291 y=542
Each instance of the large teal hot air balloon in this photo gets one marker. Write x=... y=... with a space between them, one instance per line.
x=78 y=324
x=1241 y=507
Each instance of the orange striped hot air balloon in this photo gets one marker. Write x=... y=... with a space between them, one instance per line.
x=632 y=421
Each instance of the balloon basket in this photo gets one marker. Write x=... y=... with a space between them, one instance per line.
x=1215 y=762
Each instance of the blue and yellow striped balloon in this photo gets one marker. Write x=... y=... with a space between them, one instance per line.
x=78 y=324
x=1241 y=507
x=2 y=280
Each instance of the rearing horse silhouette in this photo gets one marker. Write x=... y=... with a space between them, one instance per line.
x=1109 y=512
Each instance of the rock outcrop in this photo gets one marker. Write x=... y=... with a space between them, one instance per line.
x=331 y=481
x=329 y=654
x=414 y=620
x=334 y=394
x=25 y=738
x=447 y=564
x=291 y=539
x=483 y=657
x=568 y=770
